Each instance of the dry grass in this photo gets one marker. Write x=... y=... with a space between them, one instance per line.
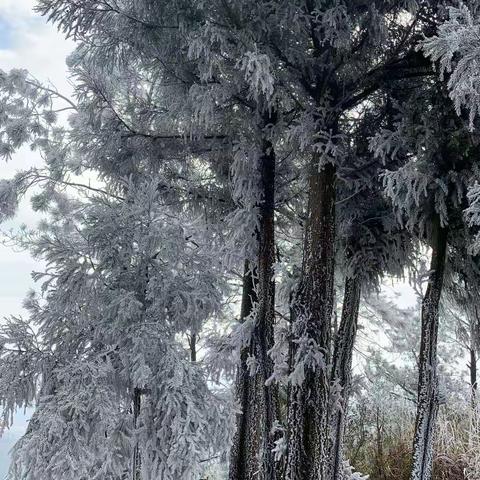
x=458 y=445
x=379 y=443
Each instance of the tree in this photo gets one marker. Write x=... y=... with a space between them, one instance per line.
x=325 y=86
x=124 y=282
x=428 y=192
x=206 y=68
x=111 y=105
x=371 y=246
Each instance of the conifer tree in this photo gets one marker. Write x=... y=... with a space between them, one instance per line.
x=428 y=193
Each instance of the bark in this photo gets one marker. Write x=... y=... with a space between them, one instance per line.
x=136 y=450
x=238 y=464
x=472 y=366
x=192 y=343
x=307 y=423
x=267 y=403
x=427 y=407
x=252 y=458
x=342 y=371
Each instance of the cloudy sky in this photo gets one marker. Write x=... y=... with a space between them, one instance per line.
x=26 y=41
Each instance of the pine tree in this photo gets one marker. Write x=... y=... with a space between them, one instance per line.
x=428 y=192
x=371 y=245
x=113 y=377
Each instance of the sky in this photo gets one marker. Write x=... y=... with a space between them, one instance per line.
x=26 y=41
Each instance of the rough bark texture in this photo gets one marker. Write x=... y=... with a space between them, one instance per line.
x=427 y=407
x=238 y=465
x=266 y=401
x=342 y=371
x=307 y=423
x=472 y=366
x=136 y=451
x=252 y=458
x=192 y=343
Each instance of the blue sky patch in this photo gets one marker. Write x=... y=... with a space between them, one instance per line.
x=5 y=34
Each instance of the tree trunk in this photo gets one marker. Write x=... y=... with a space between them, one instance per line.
x=307 y=424
x=342 y=372
x=267 y=404
x=192 y=343
x=254 y=460
x=427 y=407
x=472 y=366
x=238 y=452
x=136 y=451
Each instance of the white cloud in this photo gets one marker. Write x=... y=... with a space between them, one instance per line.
x=16 y=7
x=35 y=45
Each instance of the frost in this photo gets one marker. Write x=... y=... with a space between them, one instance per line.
x=8 y=199
x=258 y=74
x=349 y=473
x=456 y=47
x=308 y=356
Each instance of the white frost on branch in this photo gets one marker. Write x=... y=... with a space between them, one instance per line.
x=456 y=48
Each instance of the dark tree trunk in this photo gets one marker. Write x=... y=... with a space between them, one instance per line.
x=254 y=459
x=238 y=464
x=192 y=343
x=307 y=423
x=427 y=407
x=342 y=371
x=136 y=450
x=472 y=366
x=267 y=403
